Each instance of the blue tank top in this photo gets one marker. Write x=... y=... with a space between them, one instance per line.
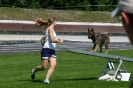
x=48 y=43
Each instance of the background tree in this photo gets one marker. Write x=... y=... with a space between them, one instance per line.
x=91 y=5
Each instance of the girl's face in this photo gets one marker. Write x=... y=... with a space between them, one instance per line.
x=55 y=22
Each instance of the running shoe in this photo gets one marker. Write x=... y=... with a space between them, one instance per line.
x=32 y=74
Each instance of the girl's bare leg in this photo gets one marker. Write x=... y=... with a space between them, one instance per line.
x=52 y=67
x=42 y=67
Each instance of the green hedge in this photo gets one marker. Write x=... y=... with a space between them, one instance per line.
x=85 y=5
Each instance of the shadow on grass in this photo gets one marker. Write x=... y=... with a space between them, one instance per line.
x=77 y=79
x=36 y=81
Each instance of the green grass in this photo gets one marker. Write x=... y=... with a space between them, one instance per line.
x=73 y=71
x=124 y=53
x=60 y=15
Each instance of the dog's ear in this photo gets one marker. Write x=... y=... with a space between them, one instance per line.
x=88 y=30
x=92 y=29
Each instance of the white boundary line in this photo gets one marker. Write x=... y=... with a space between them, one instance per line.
x=64 y=23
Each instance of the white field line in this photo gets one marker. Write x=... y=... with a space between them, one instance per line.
x=64 y=23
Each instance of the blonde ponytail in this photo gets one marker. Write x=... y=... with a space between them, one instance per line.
x=40 y=22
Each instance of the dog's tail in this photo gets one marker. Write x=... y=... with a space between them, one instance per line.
x=106 y=33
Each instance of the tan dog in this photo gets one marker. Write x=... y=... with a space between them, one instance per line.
x=99 y=40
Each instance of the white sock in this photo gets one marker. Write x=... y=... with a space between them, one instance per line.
x=46 y=81
x=33 y=71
